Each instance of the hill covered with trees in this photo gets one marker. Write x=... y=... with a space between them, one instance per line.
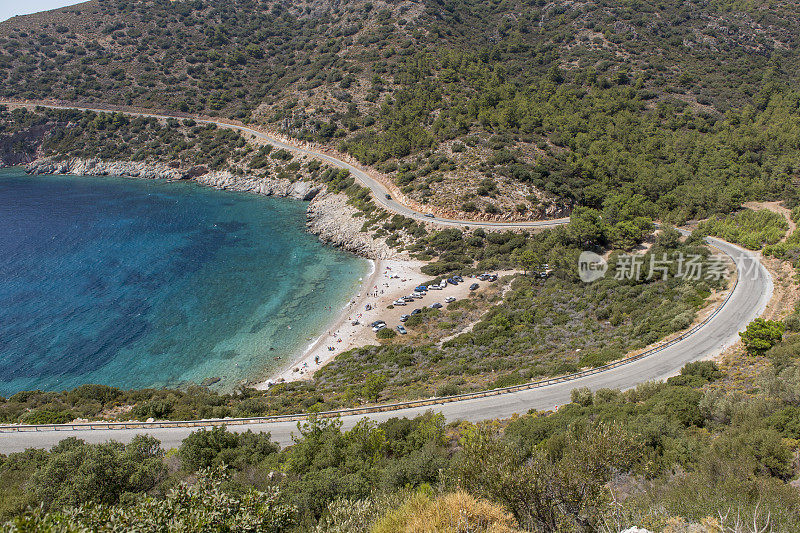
x=501 y=109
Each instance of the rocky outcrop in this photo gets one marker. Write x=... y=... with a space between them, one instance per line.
x=95 y=167
x=283 y=188
x=329 y=215
x=333 y=220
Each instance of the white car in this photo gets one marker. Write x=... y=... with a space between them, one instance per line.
x=450 y=299
x=379 y=327
x=434 y=288
x=400 y=302
x=418 y=295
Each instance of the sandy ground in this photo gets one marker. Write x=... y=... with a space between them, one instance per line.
x=390 y=280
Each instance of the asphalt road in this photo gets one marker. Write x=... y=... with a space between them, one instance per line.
x=379 y=191
x=747 y=302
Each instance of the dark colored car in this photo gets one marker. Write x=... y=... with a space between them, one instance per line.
x=416 y=312
x=474 y=286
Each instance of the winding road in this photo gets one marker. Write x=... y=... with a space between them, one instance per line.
x=747 y=301
x=379 y=190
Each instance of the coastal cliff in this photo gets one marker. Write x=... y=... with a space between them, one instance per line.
x=330 y=217
x=334 y=221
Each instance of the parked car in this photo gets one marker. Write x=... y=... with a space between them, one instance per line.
x=402 y=330
x=452 y=281
x=378 y=323
x=474 y=286
x=416 y=312
x=418 y=295
x=492 y=277
x=450 y=299
x=400 y=302
x=403 y=318
x=388 y=196
x=437 y=305
x=429 y=215
x=379 y=327
x=458 y=279
x=421 y=288
x=483 y=277
x=434 y=287
x=408 y=298
x=443 y=284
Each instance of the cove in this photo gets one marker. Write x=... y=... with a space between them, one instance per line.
x=143 y=283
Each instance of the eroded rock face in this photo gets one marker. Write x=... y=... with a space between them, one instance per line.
x=301 y=190
x=333 y=221
x=329 y=215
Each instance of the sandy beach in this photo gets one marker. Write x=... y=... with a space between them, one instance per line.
x=389 y=280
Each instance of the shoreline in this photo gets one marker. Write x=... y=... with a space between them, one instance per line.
x=286 y=373
x=328 y=215
x=389 y=280
x=327 y=219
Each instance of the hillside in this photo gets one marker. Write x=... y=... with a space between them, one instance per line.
x=507 y=110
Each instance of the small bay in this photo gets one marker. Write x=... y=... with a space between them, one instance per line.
x=143 y=283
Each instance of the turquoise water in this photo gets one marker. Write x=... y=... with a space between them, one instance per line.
x=138 y=283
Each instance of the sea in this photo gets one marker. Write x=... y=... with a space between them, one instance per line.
x=139 y=283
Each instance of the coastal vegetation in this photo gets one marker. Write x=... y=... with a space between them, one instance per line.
x=601 y=463
x=540 y=327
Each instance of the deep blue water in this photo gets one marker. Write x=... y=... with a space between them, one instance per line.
x=139 y=283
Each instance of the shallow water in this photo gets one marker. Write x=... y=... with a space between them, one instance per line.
x=139 y=283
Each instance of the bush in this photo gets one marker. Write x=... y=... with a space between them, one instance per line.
x=217 y=446
x=77 y=473
x=200 y=506
x=448 y=389
x=386 y=333
x=761 y=335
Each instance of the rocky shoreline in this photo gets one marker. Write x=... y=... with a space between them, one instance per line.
x=330 y=217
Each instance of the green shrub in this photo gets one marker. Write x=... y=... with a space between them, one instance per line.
x=386 y=333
